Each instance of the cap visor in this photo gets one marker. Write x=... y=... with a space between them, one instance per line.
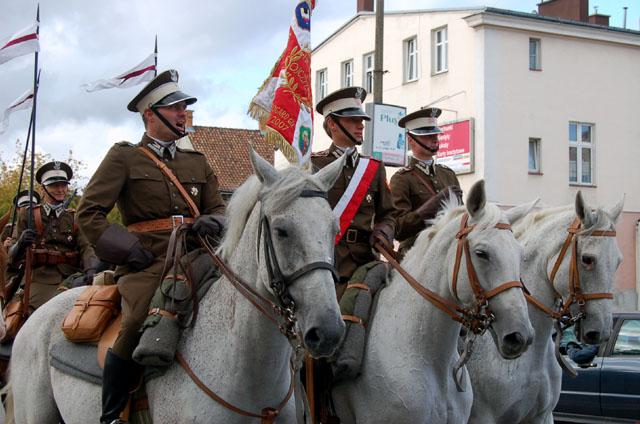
x=174 y=98
x=426 y=131
x=353 y=113
x=54 y=180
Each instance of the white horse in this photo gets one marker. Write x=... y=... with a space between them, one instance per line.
x=526 y=390
x=239 y=354
x=412 y=345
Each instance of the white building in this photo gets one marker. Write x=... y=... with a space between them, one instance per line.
x=555 y=102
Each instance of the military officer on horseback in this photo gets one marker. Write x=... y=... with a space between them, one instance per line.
x=419 y=188
x=151 y=206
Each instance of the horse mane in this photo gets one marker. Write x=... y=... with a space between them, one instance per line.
x=533 y=219
x=291 y=181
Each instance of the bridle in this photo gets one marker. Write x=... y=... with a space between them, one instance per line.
x=562 y=315
x=282 y=315
x=477 y=318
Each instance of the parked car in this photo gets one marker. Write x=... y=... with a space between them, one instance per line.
x=608 y=389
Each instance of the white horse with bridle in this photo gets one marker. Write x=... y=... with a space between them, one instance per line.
x=570 y=260
x=411 y=348
x=280 y=225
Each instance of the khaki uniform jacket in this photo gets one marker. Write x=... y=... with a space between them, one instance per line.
x=376 y=207
x=129 y=179
x=410 y=192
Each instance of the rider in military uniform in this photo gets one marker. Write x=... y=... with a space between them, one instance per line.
x=151 y=206
x=419 y=188
x=20 y=201
x=59 y=249
x=343 y=114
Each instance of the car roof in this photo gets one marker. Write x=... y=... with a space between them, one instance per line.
x=627 y=315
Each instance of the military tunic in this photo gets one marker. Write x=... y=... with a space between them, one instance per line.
x=376 y=207
x=411 y=187
x=129 y=179
x=59 y=234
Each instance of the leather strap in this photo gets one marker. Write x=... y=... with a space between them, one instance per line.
x=162 y=224
x=352 y=318
x=267 y=415
x=162 y=312
x=361 y=286
x=426 y=182
x=166 y=171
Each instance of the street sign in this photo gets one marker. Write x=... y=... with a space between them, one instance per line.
x=384 y=139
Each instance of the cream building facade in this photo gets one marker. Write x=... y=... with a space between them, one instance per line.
x=554 y=103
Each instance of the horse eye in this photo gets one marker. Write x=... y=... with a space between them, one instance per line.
x=482 y=254
x=281 y=233
x=588 y=261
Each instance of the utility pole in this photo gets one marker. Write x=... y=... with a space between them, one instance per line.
x=378 y=70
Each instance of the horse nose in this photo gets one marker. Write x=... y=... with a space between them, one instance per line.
x=514 y=344
x=591 y=337
x=322 y=342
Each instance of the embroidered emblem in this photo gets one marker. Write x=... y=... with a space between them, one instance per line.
x=174 y=75
x=70 y=238
x=194 y=191
x=359 y=92
x=56 y=165
x=369 y=198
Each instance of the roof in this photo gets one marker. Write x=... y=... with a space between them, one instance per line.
x=227 y=151
x=472 y=10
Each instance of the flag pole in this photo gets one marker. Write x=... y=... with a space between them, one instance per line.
x=36 y=82
x=155 y=74
x=24 y=160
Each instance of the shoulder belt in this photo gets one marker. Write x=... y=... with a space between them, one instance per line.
x=425 y=182
x=166 y=171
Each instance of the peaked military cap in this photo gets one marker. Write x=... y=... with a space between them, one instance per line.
x=54 y=172
x=422 y=122
x=161 y=91
x=22 y=199
x=346 y=102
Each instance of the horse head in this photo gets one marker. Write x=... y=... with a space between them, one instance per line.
x=296 y=250
x=496 y=257
x=597 y=258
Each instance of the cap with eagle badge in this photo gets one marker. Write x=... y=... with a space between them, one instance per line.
x=346 y=102
x=54 y=172
x=22 y=199
x=161 y=91
x=422 y=122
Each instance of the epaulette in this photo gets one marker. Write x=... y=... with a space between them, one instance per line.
x=404 y=169
x=125 y=144
x=445 y=167
x=320 y=154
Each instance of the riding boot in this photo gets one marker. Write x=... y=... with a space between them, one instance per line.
x=116 y=381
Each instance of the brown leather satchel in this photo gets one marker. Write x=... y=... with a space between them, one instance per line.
x=94 y=309
x=13 y=314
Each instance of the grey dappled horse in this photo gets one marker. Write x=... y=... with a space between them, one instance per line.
x=527 y=389
x=412 y=346
x=233 y=349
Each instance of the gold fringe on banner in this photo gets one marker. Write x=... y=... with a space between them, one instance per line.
x=278 y=141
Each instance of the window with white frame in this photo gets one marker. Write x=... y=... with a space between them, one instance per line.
x=367 y=72
x=347 y=73
x=581 y=153
x=534 y=156
x=411 y=59
x=534 y=54
x=440 y=50
x=321 y=83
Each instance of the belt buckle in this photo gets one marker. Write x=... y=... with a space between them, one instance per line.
x=177 y=220
x=352 y=235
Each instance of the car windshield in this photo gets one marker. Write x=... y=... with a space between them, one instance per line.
x=628 y=341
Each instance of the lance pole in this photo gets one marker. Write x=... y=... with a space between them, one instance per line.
x=36 y=82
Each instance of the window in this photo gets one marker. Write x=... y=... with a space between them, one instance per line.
x=321 y=83
x=581 y=149
x=411 y=59
x=534 y=156
x=440 y=51
x=628 y=341
x=347 y=73
x=534 y=54
x=367 y=72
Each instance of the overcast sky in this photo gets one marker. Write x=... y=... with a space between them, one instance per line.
x=223 y=50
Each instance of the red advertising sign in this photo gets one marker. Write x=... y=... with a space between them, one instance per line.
x=456 y=146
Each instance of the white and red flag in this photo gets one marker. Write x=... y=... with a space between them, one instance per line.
x=22 y=42
x=23 y=102
x=143 y=72
x=283 y=104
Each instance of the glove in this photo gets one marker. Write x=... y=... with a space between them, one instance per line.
x=382 y=231
x=26 y=239
x=139 y=258
x=87 y=278
x=430 y=208
x=210 y=225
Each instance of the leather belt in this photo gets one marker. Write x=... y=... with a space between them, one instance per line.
x=53 y=257
x=162 y=224
x=356 y=236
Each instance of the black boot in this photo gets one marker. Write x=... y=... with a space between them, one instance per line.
x=116 y=381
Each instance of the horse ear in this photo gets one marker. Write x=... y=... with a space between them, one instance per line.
x=614 y=212
x=266 y=173
x=328 y=175
x=477 y=198
x=584 y=212
x=516 y=213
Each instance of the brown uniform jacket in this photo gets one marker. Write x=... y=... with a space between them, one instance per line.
x=129 y=179
x=410 y=191
x=376 y=207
